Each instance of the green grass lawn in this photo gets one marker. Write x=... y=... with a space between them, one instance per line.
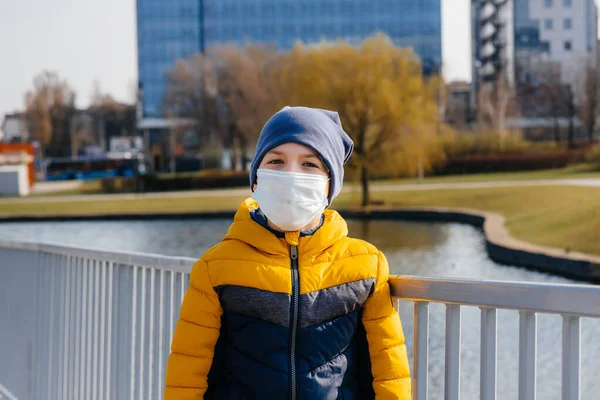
x=575 y=171
x=565 y=217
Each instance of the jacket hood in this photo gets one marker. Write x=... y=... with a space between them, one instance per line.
x=246 y=230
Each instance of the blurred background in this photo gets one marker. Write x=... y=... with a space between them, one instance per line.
x=117 y=115
x=424 y=88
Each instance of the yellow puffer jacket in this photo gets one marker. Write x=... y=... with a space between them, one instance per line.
x=298 y=317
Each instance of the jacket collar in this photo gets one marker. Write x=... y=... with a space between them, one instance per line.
x=245 y=229
x=259 y=217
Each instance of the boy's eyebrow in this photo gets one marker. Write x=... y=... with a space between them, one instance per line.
x=280 y=153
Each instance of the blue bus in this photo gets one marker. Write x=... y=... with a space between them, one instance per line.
x=60 y=169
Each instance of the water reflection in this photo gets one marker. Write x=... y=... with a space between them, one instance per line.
x=395 y=235
x=445 y=250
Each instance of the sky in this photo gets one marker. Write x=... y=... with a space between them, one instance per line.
x=87 y=41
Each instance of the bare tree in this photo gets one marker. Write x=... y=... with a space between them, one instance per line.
x=587 y=99
x=192 y=95
x=562 y=105
x=248 y=90
x=49 y=108
x=556 y=99
x=497 y=103
x=571 y=107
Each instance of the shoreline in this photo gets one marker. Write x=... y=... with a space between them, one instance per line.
x=501 y=247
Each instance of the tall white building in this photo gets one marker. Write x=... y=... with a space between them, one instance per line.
x=559 y=32
x=533 y=41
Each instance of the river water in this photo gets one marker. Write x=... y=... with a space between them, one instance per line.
x=442 y=250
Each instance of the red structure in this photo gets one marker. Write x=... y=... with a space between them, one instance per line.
x=19 y=153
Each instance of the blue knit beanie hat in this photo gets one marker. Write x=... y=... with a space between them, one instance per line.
x=320 y=130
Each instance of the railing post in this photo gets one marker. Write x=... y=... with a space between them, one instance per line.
x=171 y=305
x=151 y=336
x=161 y=328
x=527 y=355
x=84 y=331
x=142 y=346
x=452 y=373
x=421 y=350
x=78 y=328
x=111 y=302
x=571 y=360
x=103 y=332
x=61 y=328
x=52 y=337
x=488 y=367
x=133 y=333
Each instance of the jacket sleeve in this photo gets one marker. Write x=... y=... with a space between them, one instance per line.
x=194 y=340
x=389 y=361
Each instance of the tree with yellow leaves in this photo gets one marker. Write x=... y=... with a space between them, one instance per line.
x=384 y=103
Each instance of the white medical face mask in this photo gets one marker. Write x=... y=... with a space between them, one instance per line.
x=290 y=200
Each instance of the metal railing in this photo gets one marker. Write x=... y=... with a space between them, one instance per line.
x=79 y=323
x=570 y=301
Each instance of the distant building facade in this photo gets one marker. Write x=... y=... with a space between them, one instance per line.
x=172 y=29
x=563 y=32
x=457 y=107
x=14 y=128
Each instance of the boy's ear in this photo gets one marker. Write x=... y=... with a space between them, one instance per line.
x=254 y=187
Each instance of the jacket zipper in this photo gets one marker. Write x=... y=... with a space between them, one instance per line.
x=294 y=314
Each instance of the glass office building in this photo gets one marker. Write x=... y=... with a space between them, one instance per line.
x=172 y=29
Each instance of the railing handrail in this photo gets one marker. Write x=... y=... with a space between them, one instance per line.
x=168 y=263
x=552 y=298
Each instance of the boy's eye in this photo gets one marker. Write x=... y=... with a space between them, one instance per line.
x=310 y=165
x=275 y=162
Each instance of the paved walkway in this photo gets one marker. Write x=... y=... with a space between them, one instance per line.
x=375 y=187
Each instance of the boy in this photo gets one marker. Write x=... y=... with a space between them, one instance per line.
x=287 y=306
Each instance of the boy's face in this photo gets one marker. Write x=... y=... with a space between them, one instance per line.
x=294 y=157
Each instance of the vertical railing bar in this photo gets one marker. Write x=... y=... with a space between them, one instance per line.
x=35 y=361
x=109 y=329
x=142 y=333
x=46 y=316
x=51 y=312
x=103 y=332
x=571 y=357
x=171 y=306
x=73 y=330
x=133 y=334
x=37 y=346
x=527 y=355
x=96 y=329
x=421 y=350
x=51 y=361
x=452 y=367
x=84 y=331
x=489 y=343
x=161 y=328
x=90 y=332
x=182 y=293
x=49 y=261
x=151 y=336
x=65 y=329
x=77 y=339
x=65 y=364
x=61 y=334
